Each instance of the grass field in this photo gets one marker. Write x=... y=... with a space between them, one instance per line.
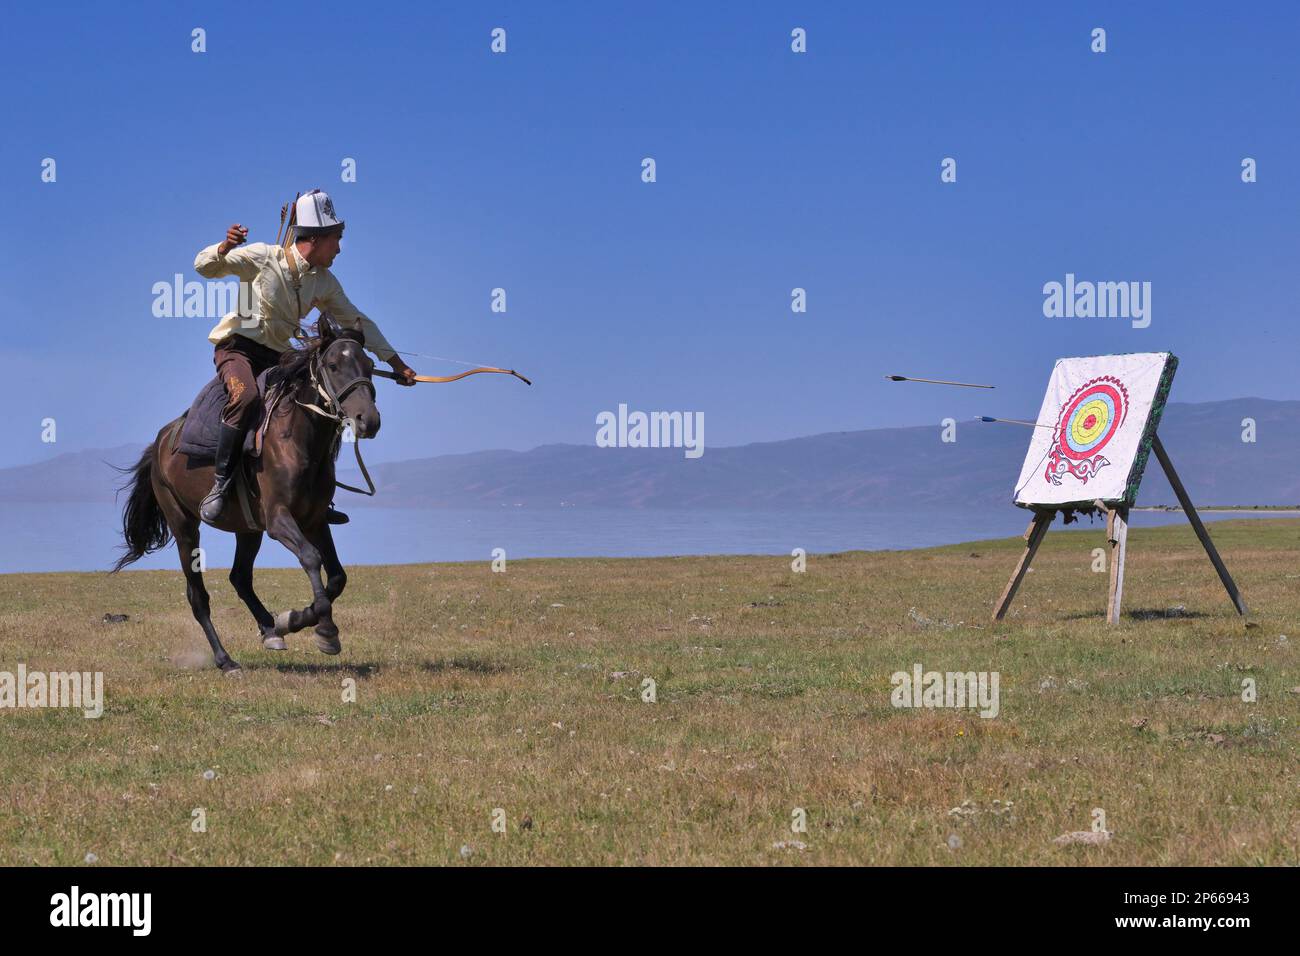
x=522 y=691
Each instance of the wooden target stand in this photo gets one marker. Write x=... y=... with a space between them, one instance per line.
x=1117 y=537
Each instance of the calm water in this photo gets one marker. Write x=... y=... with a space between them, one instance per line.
x=85 y=537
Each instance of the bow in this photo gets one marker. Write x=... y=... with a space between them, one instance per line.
x=453 y=378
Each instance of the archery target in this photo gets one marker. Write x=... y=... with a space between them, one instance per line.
x=1098 y=415
x=1091 y=419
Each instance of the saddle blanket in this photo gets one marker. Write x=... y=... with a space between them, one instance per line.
x=198 y=437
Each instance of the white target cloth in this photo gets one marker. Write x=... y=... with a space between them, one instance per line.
x=1094 y=429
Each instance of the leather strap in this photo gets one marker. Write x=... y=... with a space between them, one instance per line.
x=174 y=437
x=241 y=493
x=356 y=447
x=335 y=399
x=270 y=401
x=295 y=280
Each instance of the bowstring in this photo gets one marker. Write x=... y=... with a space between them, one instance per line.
x=303 y=332
x=443 y=358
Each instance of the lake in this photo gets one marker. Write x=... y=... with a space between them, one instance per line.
x=86 y=536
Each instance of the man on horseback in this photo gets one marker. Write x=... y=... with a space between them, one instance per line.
x=282 y=280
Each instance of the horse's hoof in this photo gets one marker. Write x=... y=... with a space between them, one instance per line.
x=328 y=645
x=273 y=641
x=231 y=669
x=282 y=623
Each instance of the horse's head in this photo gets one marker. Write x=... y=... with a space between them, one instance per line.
x=343 y=370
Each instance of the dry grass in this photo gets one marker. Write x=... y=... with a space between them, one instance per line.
x=476 y=691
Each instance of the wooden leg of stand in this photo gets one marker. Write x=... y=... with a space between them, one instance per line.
x=1033 y=538
x=1117 y=536
x=1198 y=527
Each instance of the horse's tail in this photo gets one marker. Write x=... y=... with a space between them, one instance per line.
x=143 y=524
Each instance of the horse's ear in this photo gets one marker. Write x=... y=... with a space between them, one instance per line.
x=327 y=328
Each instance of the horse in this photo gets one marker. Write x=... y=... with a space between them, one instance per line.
x=327 y=384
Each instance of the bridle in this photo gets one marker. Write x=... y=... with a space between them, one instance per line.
x=333 y=408
x=323 y=386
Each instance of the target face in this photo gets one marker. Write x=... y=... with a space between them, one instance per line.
x=1091 y=419
x=1098 y=416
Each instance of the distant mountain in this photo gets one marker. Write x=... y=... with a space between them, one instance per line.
x=877 y=468
x=72 y=476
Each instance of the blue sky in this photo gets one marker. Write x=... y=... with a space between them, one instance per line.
x=775 y=170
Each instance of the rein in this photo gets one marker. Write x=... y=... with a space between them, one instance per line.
x=332 y=406
x=333 y=410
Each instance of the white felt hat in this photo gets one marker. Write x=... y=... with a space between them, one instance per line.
x=316 y=214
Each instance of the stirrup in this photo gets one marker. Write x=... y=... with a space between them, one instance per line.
x=334 y=516
x=214 y=504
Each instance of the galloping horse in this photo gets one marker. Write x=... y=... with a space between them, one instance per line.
x=327 y=383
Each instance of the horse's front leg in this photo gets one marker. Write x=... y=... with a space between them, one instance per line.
x=336 y=579
x=282 y=526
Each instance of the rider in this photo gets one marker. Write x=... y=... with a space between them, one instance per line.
x=285 y=283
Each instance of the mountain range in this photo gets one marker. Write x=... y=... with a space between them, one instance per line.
x=907 y=467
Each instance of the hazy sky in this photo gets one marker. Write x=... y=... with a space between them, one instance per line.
x=775 y=170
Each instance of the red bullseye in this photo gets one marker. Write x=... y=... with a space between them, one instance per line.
x=1092 y=415
x=1091 y=418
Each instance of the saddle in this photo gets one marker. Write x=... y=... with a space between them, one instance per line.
x=194 y=434
x=202 y=422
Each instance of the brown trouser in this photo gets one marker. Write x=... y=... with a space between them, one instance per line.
x=239 y=361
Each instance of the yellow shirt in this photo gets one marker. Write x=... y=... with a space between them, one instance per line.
x=274 y=317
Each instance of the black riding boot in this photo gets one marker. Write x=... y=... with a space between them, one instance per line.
x=334 y=516
x=229 y=440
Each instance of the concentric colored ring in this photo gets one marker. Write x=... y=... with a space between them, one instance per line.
x=1090 y=421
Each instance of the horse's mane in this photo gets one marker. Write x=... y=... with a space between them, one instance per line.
x=294 y=362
